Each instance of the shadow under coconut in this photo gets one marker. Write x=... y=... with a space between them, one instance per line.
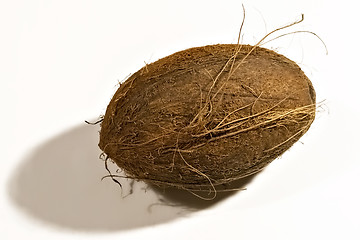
x=177 y=197
x=60 y=183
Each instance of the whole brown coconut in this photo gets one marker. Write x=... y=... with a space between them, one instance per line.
x=207 y=116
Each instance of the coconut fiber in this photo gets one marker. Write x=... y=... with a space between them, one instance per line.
x=207 y=116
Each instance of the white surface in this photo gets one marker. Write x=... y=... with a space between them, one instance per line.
x=60 y=62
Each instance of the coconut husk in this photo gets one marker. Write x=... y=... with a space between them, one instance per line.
x=207 y=116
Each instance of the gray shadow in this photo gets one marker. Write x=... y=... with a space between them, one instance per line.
x=177 y=197
x=59 y=183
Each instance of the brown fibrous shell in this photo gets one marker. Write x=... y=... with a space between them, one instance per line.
x=207 y=116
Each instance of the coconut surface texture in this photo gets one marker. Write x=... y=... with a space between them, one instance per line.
x=207 y=116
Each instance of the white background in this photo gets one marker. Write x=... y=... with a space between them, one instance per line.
x=60 y=63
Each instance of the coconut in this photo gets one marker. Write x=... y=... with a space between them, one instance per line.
x=207 y=116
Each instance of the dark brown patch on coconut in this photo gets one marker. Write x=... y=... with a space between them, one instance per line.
x=207 y=116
